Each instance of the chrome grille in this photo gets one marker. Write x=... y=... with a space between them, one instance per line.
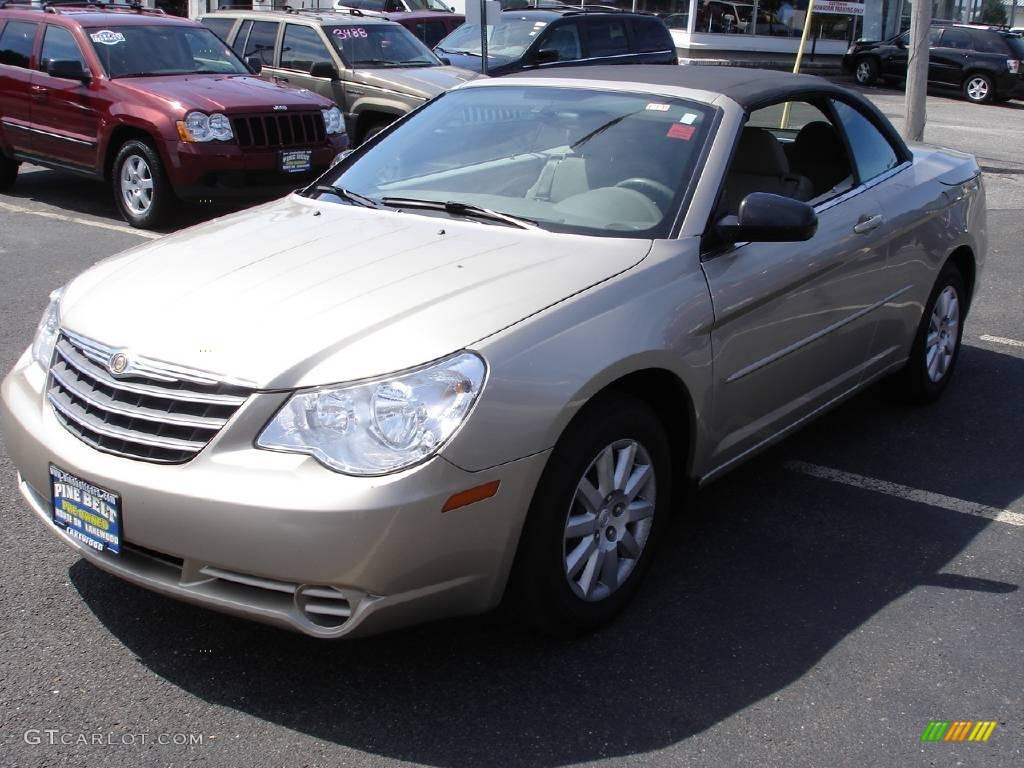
x=154 y=412
x=289 y=129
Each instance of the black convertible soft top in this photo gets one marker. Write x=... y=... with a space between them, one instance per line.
x=747 y=87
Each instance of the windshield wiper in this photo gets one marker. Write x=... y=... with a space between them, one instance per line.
x=602 y=128
x=346 y=194
x=463 y=53
x=455 y=208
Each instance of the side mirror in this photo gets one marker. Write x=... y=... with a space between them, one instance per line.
x=323 y=69
x=901 y=43
x=254 y=63
x=445 y=60
x=68 y=69
x=545 y=56
x=767 y=218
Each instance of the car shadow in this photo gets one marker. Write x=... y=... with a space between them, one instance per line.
x=79 y=195
x=766 y=573
x=948 y=94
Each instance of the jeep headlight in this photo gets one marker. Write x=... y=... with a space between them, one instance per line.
x=198 y=126
x=380 y=426
x=46 y=333
x=334 y=121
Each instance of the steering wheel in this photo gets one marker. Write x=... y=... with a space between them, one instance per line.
x=660 y=193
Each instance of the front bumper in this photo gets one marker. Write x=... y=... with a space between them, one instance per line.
x=265 y=535
x=212 y=172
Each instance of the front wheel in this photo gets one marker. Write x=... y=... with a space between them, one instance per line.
x=866 y=71
x=8 y=172
x=979 y=89
x=936 y=347
x=595 y=518
x=141 y=191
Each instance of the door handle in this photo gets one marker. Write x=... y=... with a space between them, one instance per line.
x=279 y=79
x=39 y=93
x=866 y=224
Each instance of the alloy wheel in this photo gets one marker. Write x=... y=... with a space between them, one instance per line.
x=943 y=334
x=609 y=520
x=977 y=89
x=136 y=185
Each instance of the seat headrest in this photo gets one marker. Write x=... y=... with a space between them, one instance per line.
x=760 y=154
x=819 y=137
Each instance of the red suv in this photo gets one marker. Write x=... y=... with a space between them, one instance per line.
x=157 y=105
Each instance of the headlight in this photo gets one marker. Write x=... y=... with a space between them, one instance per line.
x=334 y=121
x=46 y=333
x=379 y=426
x=198 y=126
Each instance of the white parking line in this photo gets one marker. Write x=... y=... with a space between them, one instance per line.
x=1002 y=340
x=76 y=220
x=906 y=492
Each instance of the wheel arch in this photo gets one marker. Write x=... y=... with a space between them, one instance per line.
x=964 y=260
x=121 y=134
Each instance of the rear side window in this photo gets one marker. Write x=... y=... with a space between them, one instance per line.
x=985 y=42
x=872 y=152
x=607 y=37
x=261 y=42
x=564 y=38
x=221 y=27
x=1016 y=46
x=955 y=38
x=59 y=45
x=650 y=35
x=16 y=43
x=302 y=48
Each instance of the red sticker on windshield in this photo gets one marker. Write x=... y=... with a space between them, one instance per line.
x=680 y=131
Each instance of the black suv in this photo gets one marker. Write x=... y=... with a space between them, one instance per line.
x=983 y=63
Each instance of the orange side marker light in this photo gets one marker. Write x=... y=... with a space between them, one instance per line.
x=471 y=496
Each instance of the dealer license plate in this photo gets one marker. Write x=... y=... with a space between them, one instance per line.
x=296 y=160
x=86 y=512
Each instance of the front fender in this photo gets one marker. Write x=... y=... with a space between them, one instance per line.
x=543 y=369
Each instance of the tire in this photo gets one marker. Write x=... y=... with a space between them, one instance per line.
x=978 y=88
x=865 y=70
x=562 y=583
x=141 y=191
x=8 y=172
x=374 y=129
x=936 y=347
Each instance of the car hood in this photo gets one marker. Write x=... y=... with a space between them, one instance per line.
x=424 y=82
x=301 y=292
x=223 y=93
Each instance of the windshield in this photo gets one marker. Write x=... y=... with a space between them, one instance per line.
x=380 y=45
x=509 y=39
x=135 y=51
x=568 y=160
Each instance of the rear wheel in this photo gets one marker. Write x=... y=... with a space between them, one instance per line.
x=936 y=347
x=141 y=190
x=8 y=172
x=866 y=71
x=595 y=518
x=978 y=88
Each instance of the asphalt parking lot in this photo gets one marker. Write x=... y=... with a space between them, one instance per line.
x=817 y=607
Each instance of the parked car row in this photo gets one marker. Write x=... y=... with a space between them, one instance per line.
x=983 y=63
x=250 y=103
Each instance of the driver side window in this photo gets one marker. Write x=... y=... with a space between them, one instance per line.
x=564 y=38
x=789 y=149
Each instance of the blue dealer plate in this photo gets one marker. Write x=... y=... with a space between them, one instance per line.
x=86 y=512
x=296 y=160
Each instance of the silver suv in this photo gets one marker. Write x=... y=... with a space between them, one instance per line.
x=374 y=69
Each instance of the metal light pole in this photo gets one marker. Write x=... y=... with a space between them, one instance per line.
x=917 y=70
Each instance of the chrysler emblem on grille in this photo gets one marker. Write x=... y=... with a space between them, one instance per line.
x=280 y=107
x=118 y=362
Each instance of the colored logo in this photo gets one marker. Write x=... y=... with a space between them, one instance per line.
x=958 y=730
